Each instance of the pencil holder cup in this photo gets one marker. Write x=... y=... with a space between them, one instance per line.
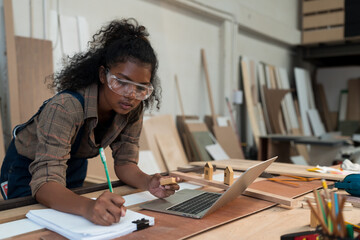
x=324 y=236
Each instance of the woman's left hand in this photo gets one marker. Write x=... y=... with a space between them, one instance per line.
x=161 y=191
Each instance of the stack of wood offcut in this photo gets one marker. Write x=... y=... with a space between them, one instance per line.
x=272 y=107
x=208 y=140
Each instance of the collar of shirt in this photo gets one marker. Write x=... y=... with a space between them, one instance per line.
x=91 y=114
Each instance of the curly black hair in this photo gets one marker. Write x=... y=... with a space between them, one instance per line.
x=118 y=42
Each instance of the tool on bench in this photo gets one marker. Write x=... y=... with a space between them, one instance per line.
x=292 y=180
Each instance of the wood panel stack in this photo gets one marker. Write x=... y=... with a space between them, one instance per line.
x=323 y=21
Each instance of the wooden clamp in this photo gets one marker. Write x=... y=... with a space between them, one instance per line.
x=288 y=202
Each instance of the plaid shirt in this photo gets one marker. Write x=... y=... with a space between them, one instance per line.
x=48 y=139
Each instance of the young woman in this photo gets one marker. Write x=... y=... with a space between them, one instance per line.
x=102 y=95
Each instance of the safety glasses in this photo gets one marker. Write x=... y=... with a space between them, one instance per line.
x=128 y=88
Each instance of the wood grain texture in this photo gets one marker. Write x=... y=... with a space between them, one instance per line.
x=163 y=124
x=228 y=141
x=175 y=227
x=34 y=58
x=275 y=97
x=353 y=102
x=249 y=102
x=274 y=168
x=173 y=155
x=260 y=194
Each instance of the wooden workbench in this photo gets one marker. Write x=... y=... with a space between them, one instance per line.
x=270 y=223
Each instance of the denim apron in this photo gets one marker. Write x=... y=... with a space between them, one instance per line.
x=15 y=176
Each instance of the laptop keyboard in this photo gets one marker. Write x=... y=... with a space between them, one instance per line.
x=196 y=204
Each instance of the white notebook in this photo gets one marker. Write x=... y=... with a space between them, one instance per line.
x=76 y=227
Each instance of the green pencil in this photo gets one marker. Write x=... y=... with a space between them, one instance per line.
x=103 y=159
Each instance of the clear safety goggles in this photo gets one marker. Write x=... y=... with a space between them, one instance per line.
x=126 y=88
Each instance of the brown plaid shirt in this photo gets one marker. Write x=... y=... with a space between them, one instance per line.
x=48 y=139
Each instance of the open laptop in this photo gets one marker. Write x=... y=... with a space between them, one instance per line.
x=197 y=204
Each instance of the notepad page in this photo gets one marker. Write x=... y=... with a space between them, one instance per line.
x=77 y=227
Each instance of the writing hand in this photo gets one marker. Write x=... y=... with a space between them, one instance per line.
x=107 y=209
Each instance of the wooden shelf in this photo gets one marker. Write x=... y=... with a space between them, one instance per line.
x=336 y=54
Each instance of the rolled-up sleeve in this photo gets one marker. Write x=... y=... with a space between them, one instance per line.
x=58 y=125
x=125 y=148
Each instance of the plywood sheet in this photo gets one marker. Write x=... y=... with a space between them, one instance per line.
x=353 y=104
x=289 y=102
x=324 y=108
x=262 y=83
x=301 y=79
x=251 y=106
x=228 y=141
x=201 y=140
x=316 y=123
x=170 y=151
x=34 y=63
x=162 y=124
x=275 y=97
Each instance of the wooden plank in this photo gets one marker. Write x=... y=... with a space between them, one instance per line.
x=201 y=140
x=323 y=35
x=274 y=168
x=197 y=127
x=197 y=148
x=204 y=62
x=301 y=80
x=324 y=109
x=228 y=141
x=322 y=5
x=13 y=89
x=163 y=124
x=283 y=78
x=35 y=62
x=275 y=97
x=249 y=102
x=316 y=124
x=173 y=156
x=224 y=135
x=248 y=192
x=184 y=135
x=324 y=20
x=284 y=108
x=262 y=83
x=353 y=103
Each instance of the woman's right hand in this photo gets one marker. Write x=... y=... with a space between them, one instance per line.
x=107 y=209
